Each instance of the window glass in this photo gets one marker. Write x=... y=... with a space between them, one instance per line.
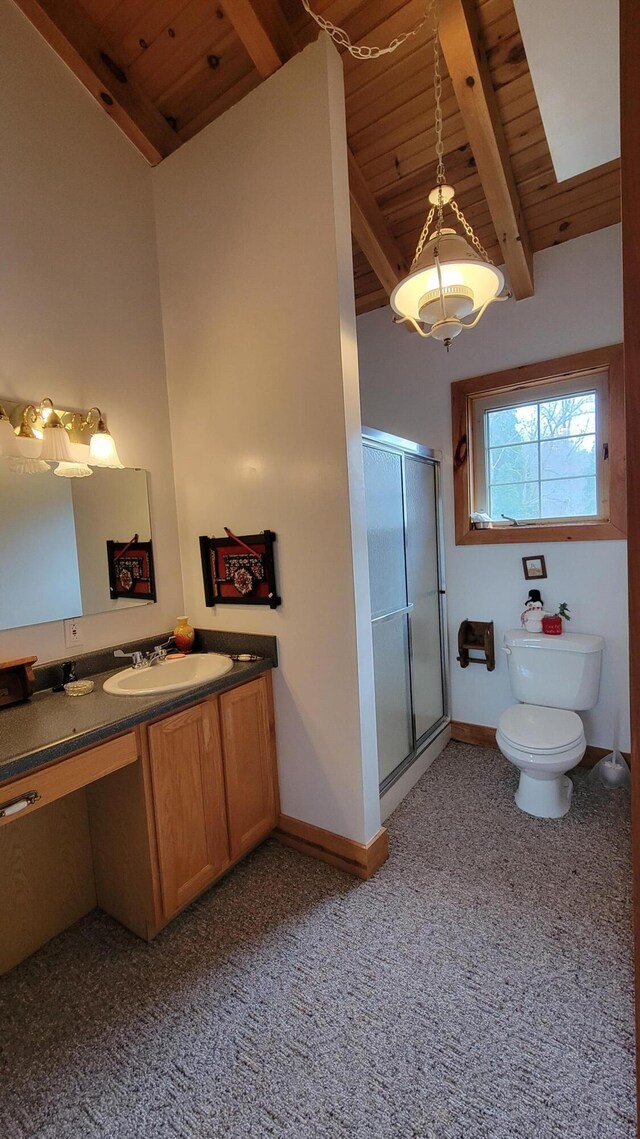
x=541 y=459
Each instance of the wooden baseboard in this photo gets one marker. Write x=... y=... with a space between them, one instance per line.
x=483 y=736
x=478 y=734
x=361 y=859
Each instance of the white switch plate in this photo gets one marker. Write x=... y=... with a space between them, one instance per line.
x=73 y=633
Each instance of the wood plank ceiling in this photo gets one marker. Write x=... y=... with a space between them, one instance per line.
x=164 y=69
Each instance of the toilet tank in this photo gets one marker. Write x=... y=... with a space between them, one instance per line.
x=555 y=671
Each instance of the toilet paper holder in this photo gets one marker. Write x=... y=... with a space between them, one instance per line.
x=476 y=637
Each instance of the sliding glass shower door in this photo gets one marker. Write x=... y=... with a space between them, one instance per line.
x=407 y=599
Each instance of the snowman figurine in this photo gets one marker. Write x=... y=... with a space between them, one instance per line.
x=531 y=616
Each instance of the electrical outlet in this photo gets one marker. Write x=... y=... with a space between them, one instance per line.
x=73 y=633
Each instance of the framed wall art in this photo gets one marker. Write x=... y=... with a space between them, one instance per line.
x=239 y=570
x=534 y=567
x=131 y=572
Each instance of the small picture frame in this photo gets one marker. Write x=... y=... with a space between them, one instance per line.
x=534 y=567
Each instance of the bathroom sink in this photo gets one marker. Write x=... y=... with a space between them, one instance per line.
x=170 y=676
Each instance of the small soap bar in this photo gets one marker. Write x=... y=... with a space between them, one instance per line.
x=79 y=687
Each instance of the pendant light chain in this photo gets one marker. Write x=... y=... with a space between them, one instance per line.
x=340 y=37
x=469 y=232
x=424 y=235
x=448 y=280
x=440 y=172
x=437 y=87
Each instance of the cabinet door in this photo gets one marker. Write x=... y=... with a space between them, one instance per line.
x=189 y=803
x=249 y=763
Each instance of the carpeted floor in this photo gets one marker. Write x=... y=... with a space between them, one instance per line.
x=479 y=987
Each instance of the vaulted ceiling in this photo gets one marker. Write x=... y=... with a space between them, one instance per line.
x=164 y=69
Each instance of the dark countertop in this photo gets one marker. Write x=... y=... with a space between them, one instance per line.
x=52 y=725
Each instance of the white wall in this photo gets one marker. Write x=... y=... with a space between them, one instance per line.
x=405 y=383
x=79 y=300
x=257 y=293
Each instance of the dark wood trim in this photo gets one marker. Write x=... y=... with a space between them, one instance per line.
x=361 y=859
x=463 y=394
x=630 y=141
x=483 y=736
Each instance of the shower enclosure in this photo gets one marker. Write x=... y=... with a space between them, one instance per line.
x=407 y=598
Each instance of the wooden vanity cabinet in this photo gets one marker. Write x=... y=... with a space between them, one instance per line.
x=189 y=803
x=139 y=825
x=214 y=788
x=248 y=745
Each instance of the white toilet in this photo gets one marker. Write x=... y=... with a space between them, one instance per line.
x=554 y=677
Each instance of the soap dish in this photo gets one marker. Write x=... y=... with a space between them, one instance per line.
x=79 y=687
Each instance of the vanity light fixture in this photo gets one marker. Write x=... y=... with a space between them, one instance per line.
x=45 y=435
x=452 y=276
x=55 y=440
x=24 y=463
x=102 y=449
x=72 y=470
x=8 y=443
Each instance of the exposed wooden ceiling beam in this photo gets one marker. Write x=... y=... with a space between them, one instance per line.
x=267 y=38
x=83 y=48
x=371 y=231
x=469 y=72
x=264 y=32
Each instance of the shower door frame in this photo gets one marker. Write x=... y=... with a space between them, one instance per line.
x=407 y=448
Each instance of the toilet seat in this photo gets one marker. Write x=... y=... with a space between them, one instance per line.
x=544 y=731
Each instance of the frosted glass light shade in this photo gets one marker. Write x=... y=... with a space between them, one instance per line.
x=55 y=441
x=23 y=465
x=460 y=265
x=102 y=450
x=72 y=470
x=8 y=440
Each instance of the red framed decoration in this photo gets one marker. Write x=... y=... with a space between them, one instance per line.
x=239 y=570
x=131 y=572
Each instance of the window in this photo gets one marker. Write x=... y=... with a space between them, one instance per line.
x=543 y=447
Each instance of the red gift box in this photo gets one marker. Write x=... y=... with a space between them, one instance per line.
x=552 y=625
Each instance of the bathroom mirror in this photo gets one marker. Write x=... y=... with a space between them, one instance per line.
x=53 y=542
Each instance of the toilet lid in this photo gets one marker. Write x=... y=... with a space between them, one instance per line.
x=533 y=728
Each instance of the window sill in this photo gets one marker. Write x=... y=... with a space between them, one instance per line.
x=572 y=532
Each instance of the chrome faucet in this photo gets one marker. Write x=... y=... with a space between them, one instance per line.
x=160 y=651
x=142 y=660
x=138 y=659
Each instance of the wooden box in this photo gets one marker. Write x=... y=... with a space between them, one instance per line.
x=17 y=680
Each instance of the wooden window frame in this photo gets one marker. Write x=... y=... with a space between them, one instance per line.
x=464 y=393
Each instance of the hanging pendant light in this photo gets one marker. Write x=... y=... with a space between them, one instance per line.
x=55 y=441
x=451 y=278
x=102 y=449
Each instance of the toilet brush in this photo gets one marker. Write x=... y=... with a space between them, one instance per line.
x=612 y=770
